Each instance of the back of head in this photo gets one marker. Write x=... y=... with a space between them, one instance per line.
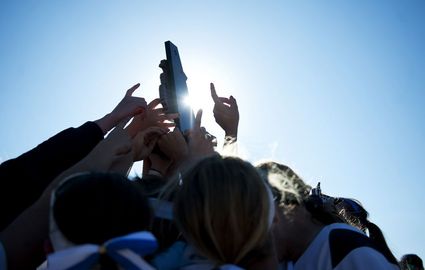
x=95 y=207
x=289 y=190
x=287 y=186
x=411 y=262
x=223 y=208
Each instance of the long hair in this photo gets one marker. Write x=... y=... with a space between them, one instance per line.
x=223 y=209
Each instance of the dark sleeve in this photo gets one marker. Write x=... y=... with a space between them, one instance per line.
x=343 y=242
x=23 y=179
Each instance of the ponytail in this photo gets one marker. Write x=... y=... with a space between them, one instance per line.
x=376 y=235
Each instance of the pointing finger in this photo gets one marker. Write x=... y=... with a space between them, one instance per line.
x=132 y=89
x=214 y=93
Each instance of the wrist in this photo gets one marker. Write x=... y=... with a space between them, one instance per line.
x=106 y=123
x=233 y=134
x=228 y=140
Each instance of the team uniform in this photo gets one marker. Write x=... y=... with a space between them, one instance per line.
x=339 y=247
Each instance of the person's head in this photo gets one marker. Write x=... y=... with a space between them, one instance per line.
x=287 y=187
x=223 y=208
x=297 y=212
x=96 y=207
x=411 y=262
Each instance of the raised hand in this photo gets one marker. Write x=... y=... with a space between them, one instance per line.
x=129 y=106
x=226 y=113
x=173 y=145
x=144 y=142
x=200 y=145
x=153 y=117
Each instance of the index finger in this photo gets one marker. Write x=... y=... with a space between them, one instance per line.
x=132 y=89
x=198 y=119
x=214 y=93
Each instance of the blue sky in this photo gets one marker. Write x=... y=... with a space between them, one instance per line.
x=334 y=89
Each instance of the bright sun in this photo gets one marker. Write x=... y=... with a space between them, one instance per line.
x=199 y=93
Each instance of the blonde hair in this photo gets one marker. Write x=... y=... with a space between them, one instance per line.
x=287 y=186
x=222 y=209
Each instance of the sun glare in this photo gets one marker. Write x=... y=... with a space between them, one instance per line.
x=199 y=94
x=199 y=76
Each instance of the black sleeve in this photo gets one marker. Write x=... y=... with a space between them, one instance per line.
x=23 y=179
x=342 y=242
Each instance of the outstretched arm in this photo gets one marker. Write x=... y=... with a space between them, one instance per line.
x=24 y=237
x=153 y=117
x=129 y=106
x=226 y=113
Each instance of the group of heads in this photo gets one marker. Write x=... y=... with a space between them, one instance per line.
x=229 y=210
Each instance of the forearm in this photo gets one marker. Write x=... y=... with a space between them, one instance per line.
x=23 y=239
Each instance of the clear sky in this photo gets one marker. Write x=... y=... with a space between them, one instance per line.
x=335 y=89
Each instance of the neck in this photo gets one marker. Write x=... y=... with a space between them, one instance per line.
x=304 y=230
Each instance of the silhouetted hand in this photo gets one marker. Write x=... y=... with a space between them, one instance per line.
x=200 y=145
x=144 y=142
x=129 y=106
x=153 y=117
x=226 y=113
x=173 y=145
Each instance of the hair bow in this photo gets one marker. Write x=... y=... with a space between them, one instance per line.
x=127 y=251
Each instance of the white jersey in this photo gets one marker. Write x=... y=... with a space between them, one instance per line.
x=341 y=247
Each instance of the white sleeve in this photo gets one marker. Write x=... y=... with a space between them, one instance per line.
x=365 y=258
x=230 y=147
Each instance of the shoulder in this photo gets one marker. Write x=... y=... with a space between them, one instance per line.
x=347 y=241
